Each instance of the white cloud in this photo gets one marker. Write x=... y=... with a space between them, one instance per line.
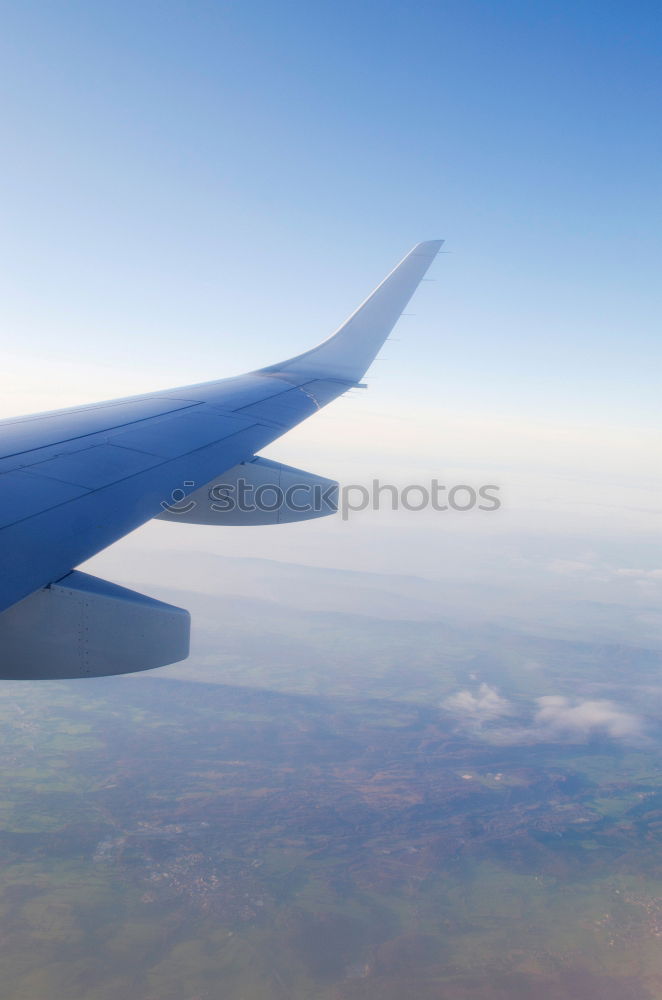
x=552 y=718
x=557 y=716
x=484 y=706
x=571 y=567
x=641 y=574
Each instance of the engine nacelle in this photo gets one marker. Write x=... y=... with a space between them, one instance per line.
x=255 y=492
x=81 y=626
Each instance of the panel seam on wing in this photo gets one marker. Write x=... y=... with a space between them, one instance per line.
x=99 y=489
x=103 y=430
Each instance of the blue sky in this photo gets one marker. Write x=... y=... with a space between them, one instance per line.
x=202 y=187
x=196 y=189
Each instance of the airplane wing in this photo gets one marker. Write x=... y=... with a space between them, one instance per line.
x=74 y=481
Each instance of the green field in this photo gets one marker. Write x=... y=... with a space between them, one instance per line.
x=288 y=839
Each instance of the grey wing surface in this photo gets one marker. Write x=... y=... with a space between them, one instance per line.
x=74 y=481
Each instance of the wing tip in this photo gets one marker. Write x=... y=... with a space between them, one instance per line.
x=348 y=353
x=428 y=248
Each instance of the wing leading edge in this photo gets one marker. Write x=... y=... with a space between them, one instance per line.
x=75 y=481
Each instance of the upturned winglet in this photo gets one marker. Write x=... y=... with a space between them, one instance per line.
x=350 y=351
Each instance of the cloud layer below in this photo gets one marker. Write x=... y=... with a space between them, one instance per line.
x=552 y=718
